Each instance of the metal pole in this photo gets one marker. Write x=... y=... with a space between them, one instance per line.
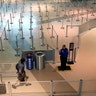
x=80 y=87
x=48 y=22
x=1 y=17
x=71 y=21
x=47 y=46
x=22 y=34
x=11 y=19
x=82 y=20
x=8 y=26
x=52 y=33
x=78 y=38
x=46 y=10
x=51 y=88
x=16 y=4
x=62 y=27
x=2 y=49
x=87 y=15
x=41 y=27
x=30 y=30
x=13 y=13
x=66 y=30
x=20 y=27
x=10 y=90
x=42 y=44
x=5 y=34
x=17 y=48
x=57 y=42
x=78 y=15
x=21 y=18
x=1 y=76
x=42 y=35
x=32 y=47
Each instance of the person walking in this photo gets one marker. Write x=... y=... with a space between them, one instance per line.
x=63 y=52
x=20 y=67
x=21 y=70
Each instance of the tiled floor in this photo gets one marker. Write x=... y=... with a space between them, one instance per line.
x=8 y=58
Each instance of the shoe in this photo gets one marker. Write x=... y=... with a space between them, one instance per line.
x=27 y=84
x=13 y=86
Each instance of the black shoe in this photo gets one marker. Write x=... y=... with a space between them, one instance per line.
x=13 y=86
x=27 y=84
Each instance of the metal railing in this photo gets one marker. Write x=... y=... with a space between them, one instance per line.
x=53 y=88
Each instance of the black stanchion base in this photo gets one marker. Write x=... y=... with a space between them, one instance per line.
x=62 y=69
x=17 y=54
x=2 y=49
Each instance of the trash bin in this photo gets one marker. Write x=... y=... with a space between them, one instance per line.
x=40 y=60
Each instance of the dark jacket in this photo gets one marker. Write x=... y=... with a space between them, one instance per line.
x=63 y=52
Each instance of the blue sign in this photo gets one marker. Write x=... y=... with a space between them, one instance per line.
x=29 y=62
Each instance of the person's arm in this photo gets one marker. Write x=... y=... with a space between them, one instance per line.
x=60 y=52
x=20 y=71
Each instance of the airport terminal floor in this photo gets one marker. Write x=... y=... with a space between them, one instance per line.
x=45 y=25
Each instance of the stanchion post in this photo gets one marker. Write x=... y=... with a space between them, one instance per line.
x=2 y=49
x=47 y=46
x=21 y=18
x=42 y=35
x=4 y=12
x=12 y=13
x=66 y=30
x=71 y=21
x=78 y=36
x=17 y=48
x=80 y=88
x=30 y=30
x=1 y=3
x=11 y=19
x=41 y=27
x=1 y=77
x=32 y=47
x=16 y=4
x=42 y=38
x=52 y=32
x=10 y=89
x=51 y=88
x=57 y=11
x=8 y=26
x=48 y=22
x=46 y=10
x=78 y=15
x=75 y=51
x=20 y=26
x=5 y=34
x=57 y=42
x=62 y=27
x=82 y=20
x=1 y=17
x=87 y=17
x=22 y=34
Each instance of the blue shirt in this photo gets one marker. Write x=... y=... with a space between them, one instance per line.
x=21 y=67
x=63 y=52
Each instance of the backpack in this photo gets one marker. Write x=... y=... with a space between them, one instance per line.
x=17 y=67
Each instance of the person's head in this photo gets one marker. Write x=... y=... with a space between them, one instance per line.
x=29 y=54
x=22 y=60
x=63 y=46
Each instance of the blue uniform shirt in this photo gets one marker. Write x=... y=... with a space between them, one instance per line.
x=63 y=52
